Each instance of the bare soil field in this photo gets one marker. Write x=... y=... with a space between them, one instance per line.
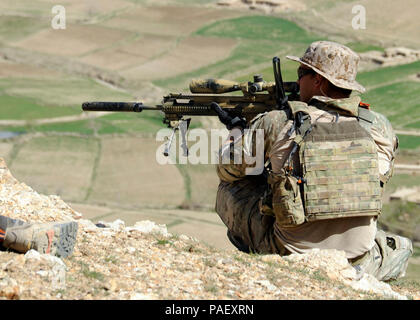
x=10 y=69
x=388 y=22
x=73 y=41
x=75 y=9
x=132 y=53
x=26 y=7
x=58 y=165
x=189 y=54
x=82 y=10
x=128 y=174
x=168 y=20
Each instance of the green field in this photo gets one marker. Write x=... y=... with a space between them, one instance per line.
x=414 y=125
x=383 y=76
x=13 y=28
x=409 y=142
x=258 y=28
x=61 y=91
x=400 y=217
x=399 y=180
x=398 y=101
x=18 y=108
x=363 y=47
x=108 y=124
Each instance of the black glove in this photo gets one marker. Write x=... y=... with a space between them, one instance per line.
x=225 y=118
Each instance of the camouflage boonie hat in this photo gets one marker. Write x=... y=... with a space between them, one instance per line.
x=335 y=62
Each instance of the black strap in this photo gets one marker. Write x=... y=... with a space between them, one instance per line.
x=302 y=125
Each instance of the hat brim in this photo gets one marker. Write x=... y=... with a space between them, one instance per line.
x=337 y=82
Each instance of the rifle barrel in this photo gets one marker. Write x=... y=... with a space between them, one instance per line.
x=117 y=106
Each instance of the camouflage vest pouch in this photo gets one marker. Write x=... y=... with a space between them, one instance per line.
x=339 y=169
x=287 y=200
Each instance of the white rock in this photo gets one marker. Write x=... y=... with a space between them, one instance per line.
x=140 y=296
x=54 y=261
x=149 y=227
x=57 y=273
x=32 y=255
x=43 y=273
x=369 y=283
x=349 y=273
x=56 y=268
x=267 y=284
x=117 y=225
x=183 y=237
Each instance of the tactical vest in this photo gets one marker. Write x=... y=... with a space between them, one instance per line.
x=337 y=175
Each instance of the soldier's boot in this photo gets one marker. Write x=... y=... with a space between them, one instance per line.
x=6 y=222
x=238 y=242
x=55 y=238
x=396 y=251
x=388 y=259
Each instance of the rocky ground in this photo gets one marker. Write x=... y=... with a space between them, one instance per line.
x=144 y=261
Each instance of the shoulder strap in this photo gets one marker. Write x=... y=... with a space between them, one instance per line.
x=365 y=117
x=302 y=125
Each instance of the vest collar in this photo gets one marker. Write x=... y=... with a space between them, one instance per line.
x=348 y=106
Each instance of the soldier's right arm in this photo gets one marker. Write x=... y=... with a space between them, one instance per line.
x=386 y=143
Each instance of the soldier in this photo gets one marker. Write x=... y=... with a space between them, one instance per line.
x=56 y=238
x=329 y=157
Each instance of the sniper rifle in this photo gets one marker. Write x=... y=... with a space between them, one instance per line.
x=207 y=99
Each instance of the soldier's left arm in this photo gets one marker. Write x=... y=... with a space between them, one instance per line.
x=271 y=124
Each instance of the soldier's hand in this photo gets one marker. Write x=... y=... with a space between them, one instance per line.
x=225 y=118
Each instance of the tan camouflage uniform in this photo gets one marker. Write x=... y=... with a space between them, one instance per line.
x=369 y=250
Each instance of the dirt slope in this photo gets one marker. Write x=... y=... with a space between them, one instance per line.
x=146 y=262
